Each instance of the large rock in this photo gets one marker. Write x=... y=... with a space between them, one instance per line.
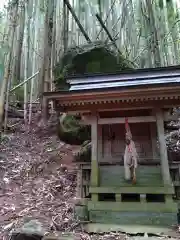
x=31 y=230
x=96 y=57
x=71 y=131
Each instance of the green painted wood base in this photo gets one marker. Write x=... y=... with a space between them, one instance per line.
x=170 y=207
x=131 y=229
x=133 y=218
x=133 y=189
x=81 y=213
x=114 y=176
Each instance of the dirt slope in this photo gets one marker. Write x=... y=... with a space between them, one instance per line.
x=33 y=179
x=38 y=181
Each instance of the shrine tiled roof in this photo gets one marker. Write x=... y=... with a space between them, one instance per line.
x=136 y=78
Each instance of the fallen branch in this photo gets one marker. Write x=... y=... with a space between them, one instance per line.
x=110 y=37
x=25 y=81
x=77 y=21
x=107 y=31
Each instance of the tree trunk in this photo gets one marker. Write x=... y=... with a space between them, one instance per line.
x=153 y=31
x=26 y=59
x=34 y=80
x=16 y=72
x=12 y=26
x=46 y=61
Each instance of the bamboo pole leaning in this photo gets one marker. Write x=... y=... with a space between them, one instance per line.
x=25 y=81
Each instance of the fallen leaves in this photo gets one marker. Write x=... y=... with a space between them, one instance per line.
x=34 y=182
x=38 y=181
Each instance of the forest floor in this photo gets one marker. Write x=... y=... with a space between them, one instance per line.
x=38 y=181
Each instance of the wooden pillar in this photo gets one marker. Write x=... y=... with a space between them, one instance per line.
x=45 y=108
x=153 y=140
x=99 y=143
x=163 y=148
x=79 y=183
x=94 y=156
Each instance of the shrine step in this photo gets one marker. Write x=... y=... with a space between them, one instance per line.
x=167 y=207
x=145 y=176
x=132 y=194
x=133 y=189
x=133 y=218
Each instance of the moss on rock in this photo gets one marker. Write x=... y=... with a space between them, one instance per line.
x=88 y=59
x=71 y=131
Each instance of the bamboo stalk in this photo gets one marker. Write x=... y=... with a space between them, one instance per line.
x=26 y=36
x=25 y=81
x=6 y=107
x=77 y=21
x=8 y=67
x=107 y=31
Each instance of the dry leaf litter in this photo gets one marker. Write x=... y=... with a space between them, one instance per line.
x=38 y=181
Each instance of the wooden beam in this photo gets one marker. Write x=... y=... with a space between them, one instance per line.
x=87 y=112
x=135 y=207
x=87 y=107
x=133 y=189
x=100 y=143
x=130 y=120
x=44 y=109
x=94 y=156
x=121 y=120
x=162 y=147
x=145 y=93
x=153 y=133
x=79 y=183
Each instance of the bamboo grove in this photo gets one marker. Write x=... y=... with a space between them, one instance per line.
x=35 y=34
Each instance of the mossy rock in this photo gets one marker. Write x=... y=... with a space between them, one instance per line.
x=96 y=57
x=71 y=131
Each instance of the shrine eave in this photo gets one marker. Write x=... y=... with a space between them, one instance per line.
x=145 y=86
x=76 y=101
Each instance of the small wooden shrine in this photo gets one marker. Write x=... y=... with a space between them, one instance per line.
x=141 y=99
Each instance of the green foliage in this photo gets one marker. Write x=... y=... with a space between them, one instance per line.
x=88 y=59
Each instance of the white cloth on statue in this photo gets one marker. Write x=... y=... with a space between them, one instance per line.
x=130 y=159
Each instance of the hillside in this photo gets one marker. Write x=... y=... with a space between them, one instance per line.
x=38 y=181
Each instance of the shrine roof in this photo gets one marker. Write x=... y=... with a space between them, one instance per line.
x=136 y=78
x=144 y=86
